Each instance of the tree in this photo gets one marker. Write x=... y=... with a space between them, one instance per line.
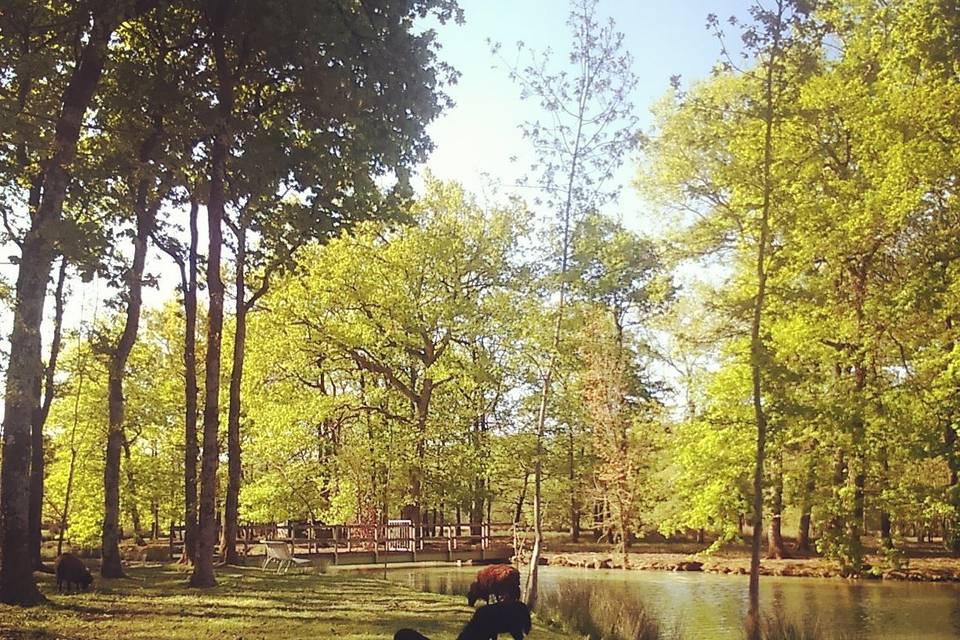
x=37 y=461
x=592 y=128
x=398 y=304
x=143 y=155
x=348 y=64
x=731 y=165
x=187 y=260
x=390 y=73
x=77 y=87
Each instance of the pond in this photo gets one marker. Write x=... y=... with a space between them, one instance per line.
x=703 y=605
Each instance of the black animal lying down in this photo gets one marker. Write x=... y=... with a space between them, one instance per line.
x=491 y=620
x=409 y=634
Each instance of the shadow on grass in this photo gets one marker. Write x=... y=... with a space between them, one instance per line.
x=156 y=602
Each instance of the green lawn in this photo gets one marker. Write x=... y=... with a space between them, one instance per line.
x=155 y=603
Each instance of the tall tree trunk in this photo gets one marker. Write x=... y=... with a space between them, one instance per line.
x=231 y=509
x=806 y=505
x=37 y=463
x=132 y=508
x=476 y=507
x=757 y=350
x=17 y=584
x=858 y=470
x=422 y=407
x=111 y=566
x=886 y=532
x=574 y=493
x=597 y=519
x=776 y=549
x=518 y=508
x=533 y=573
x=203 y=575
x=154 y=519
x=190 y=417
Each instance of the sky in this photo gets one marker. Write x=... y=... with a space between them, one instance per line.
x=480 y=134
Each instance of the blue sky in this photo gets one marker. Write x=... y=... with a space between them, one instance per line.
x=480 y=134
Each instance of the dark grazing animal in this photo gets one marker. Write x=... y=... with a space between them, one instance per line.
x=489 y=621
x=498 y=581
x=409 y=634
x=71 y=570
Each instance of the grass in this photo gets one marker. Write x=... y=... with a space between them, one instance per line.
x=779 y=628
x=155 y=603
x=598 y=618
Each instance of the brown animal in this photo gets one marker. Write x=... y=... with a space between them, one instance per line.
x=71 y=570
x=499 y=581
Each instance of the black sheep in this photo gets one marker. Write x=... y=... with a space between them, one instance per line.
x=409 y=634
x=491 y=620
x=70 y=569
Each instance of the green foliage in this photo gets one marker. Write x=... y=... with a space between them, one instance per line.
x=855 y=270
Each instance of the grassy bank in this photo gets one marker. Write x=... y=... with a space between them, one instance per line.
x=155 y=603
x=736 y=561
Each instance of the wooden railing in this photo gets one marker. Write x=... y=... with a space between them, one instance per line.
x=314 y=538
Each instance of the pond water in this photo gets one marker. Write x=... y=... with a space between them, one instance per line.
x=708 y=606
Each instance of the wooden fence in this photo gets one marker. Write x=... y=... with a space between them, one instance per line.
x=394 y=537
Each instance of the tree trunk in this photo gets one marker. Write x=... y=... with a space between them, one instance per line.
x=886 y=532
x=518 y=510
x=24 y=81
x=757 y=349
x=232 y=506
x=132 y=508
x=574 y=493
x=776 y=549
x=203 y=575
x=476 y=508
x=190 y=417
x=858 y=469
x=533 y=573
x=17 y=584
x=422 y=407
x=37 y=463
x=111 y=566
x=154 y=520
x=803 y=531
x=597 y=519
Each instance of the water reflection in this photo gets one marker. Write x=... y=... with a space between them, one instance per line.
x=699 y=605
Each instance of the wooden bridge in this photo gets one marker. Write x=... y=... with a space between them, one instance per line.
x=397 y=541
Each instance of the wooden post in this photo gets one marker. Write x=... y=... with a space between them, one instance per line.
x=413 y=546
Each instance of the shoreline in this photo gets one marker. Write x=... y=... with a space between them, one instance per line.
x=934 y=570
